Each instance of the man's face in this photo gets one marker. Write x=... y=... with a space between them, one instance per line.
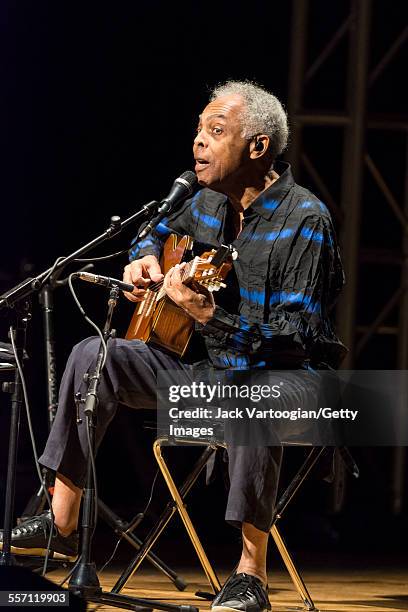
x=220 y=151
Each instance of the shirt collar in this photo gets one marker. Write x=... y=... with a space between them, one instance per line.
x=270 y=199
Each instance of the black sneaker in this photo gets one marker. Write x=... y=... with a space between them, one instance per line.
x=242 y=593
x=31 y=538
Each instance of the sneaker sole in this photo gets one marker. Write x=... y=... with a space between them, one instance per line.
x=227 y=609
x=39 y=552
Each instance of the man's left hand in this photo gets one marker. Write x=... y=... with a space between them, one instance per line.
x=198 y=303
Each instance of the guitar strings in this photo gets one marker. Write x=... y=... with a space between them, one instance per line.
x=184 y=271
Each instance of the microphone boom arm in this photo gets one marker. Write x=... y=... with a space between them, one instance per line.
x=30 y=285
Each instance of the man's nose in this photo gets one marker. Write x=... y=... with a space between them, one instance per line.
x=200 y=140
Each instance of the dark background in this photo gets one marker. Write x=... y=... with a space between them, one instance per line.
x=98 y=108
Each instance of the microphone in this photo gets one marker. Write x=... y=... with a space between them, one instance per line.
x=182 y=187
x=105 y=281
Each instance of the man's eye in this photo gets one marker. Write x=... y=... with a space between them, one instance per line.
x=217 y=130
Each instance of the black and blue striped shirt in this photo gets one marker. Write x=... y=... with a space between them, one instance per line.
x=288 y=271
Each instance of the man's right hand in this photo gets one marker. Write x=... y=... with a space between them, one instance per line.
x=141 y=273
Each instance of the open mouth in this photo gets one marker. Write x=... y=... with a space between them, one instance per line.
x=201 y=163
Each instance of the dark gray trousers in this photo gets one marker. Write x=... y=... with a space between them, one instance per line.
x=130 y=377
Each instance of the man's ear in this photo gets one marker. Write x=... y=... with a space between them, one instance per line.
x=258 y=146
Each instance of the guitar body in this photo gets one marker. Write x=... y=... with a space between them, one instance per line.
x=158 y=320
x=171 y=327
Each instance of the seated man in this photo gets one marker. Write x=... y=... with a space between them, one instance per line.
x=273 y=314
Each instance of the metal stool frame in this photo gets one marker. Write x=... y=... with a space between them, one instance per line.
x=178 y=504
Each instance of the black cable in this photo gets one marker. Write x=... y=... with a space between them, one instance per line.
x=34 y=447
x=105 y=565
x=118 y=253
x=94 y=325
x=151 y=492
x=103 y=257
x=71 y=571
x=143 y=512
x=52 y=270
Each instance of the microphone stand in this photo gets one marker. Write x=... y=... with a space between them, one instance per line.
x=46 y=299
x=18 y=299
x=30 y=285
x=38 y=500
x=85 y=579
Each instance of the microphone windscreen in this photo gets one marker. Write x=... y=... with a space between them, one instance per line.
x=190 y=177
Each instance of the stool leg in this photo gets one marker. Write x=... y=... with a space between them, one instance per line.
x=290 y=566
x=165 y=517
x=174 y=492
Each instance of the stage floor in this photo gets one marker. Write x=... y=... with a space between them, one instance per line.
x=374 y=590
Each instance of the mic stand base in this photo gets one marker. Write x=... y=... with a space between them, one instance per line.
x=85 y=581
x=137 y=603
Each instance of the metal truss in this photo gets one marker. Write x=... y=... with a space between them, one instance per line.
x=354 y=137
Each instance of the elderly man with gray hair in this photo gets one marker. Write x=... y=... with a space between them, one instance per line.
x=273 y=314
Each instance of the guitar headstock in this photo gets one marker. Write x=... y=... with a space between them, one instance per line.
x=211 y=268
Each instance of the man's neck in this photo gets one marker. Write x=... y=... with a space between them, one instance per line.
x=242 y=198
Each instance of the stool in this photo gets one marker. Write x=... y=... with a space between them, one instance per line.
x=178 y=505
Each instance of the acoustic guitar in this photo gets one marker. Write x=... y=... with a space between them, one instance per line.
x=157 y=319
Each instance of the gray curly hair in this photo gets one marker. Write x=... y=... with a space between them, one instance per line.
x=263 y=113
